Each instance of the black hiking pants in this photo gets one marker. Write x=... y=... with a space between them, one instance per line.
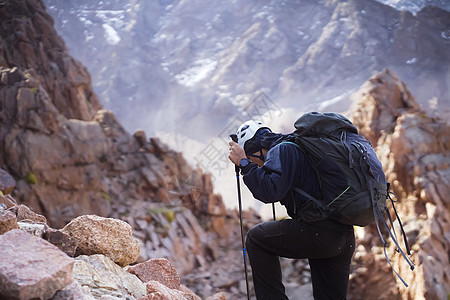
x=329 y=254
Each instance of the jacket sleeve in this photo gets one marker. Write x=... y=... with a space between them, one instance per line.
x=277 y=176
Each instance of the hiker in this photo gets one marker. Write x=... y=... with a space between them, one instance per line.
x=272 y=168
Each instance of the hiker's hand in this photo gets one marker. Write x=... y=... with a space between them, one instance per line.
x=236 y=153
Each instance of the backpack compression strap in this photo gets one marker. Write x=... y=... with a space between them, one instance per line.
x=379 y=215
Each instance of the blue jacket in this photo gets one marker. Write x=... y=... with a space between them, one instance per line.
x=286 y=166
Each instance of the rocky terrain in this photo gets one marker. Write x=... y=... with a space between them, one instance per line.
x=220 y=63
x=414 y=150
x=65 y=156
x=114 y=214
x=39 y=262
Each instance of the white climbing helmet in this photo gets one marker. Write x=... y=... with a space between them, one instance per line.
x=247 y=131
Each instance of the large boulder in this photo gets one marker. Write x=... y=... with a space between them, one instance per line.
x=31 y=267
x=97 y=235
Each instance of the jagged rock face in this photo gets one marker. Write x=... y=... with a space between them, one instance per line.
x=202 y=62
x=68 y=156
x=40 y=149
x=413 y=148
x=66 y=159
x=68 y=167
x=37 y=47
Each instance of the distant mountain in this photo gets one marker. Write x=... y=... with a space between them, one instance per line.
x=193 y=67
x=416 y=5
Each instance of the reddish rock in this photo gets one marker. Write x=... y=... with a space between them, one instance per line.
x=97 y=235
x=158 y=269
x=8 y=201
x=8 y=221
x=187 y=290
x=158 y=291
x=24 y=213
x=413 y=148
x=31 y=267
x=385 y=98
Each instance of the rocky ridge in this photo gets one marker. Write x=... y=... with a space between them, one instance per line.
x=414 y=150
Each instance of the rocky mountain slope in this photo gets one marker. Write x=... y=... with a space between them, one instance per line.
x=170 y=67
x=203 y=62
x=414 y=150
x=63 y=155
x=39 y=262
x=68 y=155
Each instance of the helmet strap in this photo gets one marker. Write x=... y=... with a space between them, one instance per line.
x=260 y=156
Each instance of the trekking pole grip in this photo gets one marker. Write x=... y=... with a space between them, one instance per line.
x=234 y=138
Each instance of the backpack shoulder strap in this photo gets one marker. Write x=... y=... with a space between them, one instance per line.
x=291 y=143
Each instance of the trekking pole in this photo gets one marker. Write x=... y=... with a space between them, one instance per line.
x=273 y=211
x=236 y=168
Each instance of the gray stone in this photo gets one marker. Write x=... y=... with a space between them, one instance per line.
x=7 y=182
x=100 y=276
